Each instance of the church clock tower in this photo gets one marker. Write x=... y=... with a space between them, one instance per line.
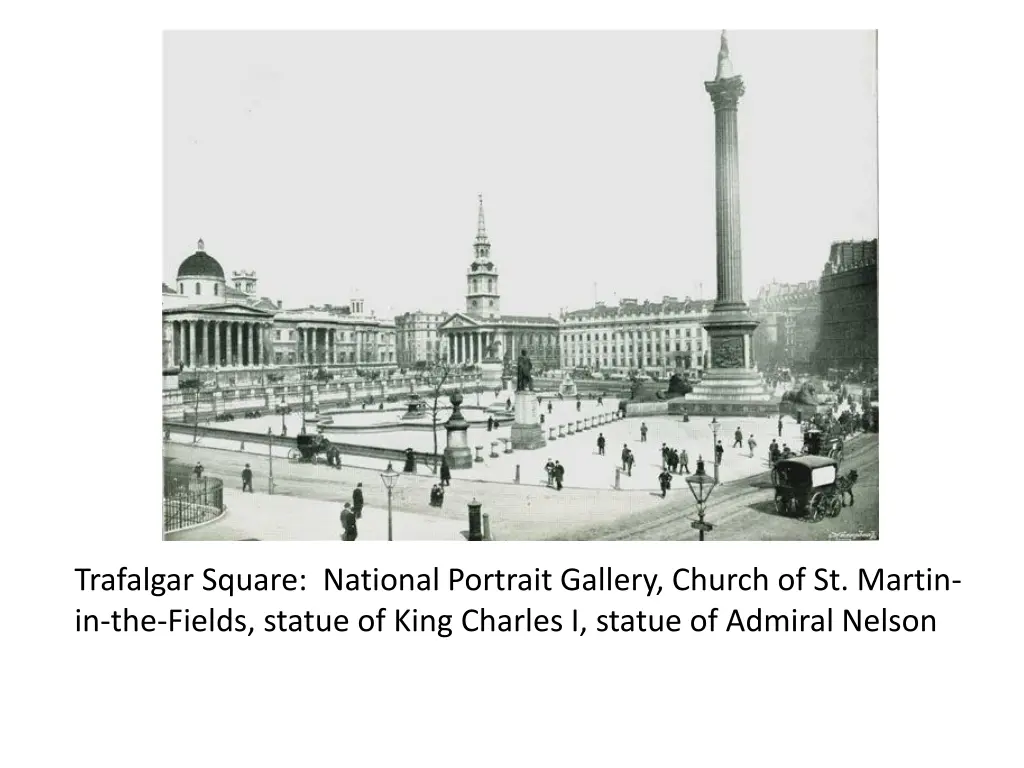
x=482 y=298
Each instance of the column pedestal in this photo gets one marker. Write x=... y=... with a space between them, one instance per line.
x=526 y=431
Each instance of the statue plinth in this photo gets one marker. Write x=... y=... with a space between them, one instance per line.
x=526 y=432
x=457 y=452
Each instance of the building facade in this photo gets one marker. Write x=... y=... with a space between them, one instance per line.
x=789 y=316
x=210 y=325
x=633 y=336
x=418 y=341
x=481 y=333
x=848 y=337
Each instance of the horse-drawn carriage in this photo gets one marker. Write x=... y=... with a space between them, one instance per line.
x=314 y=448
x=822 y=443
x=810 y=486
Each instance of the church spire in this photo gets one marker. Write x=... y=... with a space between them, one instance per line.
x=481 y=228
x=724 y=71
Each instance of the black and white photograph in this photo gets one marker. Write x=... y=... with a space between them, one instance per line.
x=520 y=286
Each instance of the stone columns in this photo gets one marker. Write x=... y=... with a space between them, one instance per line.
x=180 y=326
x=216 y=342
x=191 y=343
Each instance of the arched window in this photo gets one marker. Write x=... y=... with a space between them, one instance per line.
x=199 y=289
x=490 y=285
x=216 y=289
x=181 y=288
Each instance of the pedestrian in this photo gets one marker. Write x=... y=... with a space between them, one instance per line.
x=549 y=406
x=246 y=479
x=600 y=444
x=643 y=432
x=198 y=470
x=490 y=423
x=664 y=455
x=780 y=426
x=446 y=472
x=578 y=405
x=349 y=530
x=773 y=452
x=357 y=501
x=665 y=481
x=630 y=458
x=684 y=460
x=559 y=473
x=719 y=452
x=738 y=438
x=752 y=444
x=673 y=459
x=600 y=400
x=549 y=468
x=700 y=465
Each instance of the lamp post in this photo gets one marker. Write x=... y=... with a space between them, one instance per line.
x=389 y=477
x=701 y=487
x=270 y=454
x=714 y=444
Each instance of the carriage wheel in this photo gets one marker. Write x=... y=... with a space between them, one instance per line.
x=816 y=506
x=294 y=454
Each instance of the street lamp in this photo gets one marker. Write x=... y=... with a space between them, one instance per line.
x=714 y=445
x=270 y=452
x=389 y=478
x=701 y=487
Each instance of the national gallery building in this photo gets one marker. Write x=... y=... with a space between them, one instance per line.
x=211 y=325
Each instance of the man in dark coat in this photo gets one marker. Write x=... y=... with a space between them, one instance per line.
x=198 y=470
x=738 y=438
x=246 y=479
x=684 y=461
x=780 y=426
x=559 y=473
x=719 y=452
x=600 y=444
x=349 y=530
x=446 y=472
x=664 y=455
x=665 y=481
x=625 y=456
x=357 y=501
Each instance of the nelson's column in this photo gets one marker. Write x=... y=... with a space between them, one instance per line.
x=731 y=384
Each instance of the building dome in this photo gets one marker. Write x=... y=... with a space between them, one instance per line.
x=201 y=264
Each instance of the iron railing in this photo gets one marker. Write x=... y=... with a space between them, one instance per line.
x=189 y=500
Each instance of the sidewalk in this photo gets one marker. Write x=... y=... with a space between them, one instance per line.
x=289 y=518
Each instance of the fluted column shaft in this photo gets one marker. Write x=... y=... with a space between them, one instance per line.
x=725 y=95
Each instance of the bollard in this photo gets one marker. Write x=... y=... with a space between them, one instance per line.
x=551 y=433
x=508 y=444
x=487 y=526
x=517 y=474
x=479 y=453
x=475 y=533
x=561 y=430
x=568 y=428
x=494 y=449
x=577 y=425
x=618 y=472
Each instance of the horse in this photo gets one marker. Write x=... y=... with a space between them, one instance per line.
x=845 y=486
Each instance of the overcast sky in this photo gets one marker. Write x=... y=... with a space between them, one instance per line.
x=336 y=163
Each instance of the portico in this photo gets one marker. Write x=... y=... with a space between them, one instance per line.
x=217 y=336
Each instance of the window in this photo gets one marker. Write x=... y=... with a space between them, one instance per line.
x=181 y=288
x=199 y=289
x=490 y=302
x=216 y=289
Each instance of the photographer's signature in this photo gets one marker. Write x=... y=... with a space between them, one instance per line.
x=853 y=535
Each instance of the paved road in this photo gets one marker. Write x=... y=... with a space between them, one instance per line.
x=744 y=511
x=741 y=510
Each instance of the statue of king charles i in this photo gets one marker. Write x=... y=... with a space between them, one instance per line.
x=524 y=381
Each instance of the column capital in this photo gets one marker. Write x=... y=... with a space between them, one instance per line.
x=725 y=94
